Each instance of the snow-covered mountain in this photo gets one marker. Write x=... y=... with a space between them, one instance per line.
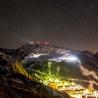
x=79 y=65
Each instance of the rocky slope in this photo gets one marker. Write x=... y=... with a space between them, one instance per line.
x=17 y=85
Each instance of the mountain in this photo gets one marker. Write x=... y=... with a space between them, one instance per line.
x=40 y=59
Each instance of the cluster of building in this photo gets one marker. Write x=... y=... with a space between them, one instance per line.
x=75 y=90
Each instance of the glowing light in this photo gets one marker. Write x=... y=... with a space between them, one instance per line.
x=71 y=58
x=34 y=55
x=78 y=96
x=68 y=58
x=31 y=43
x=86 y=91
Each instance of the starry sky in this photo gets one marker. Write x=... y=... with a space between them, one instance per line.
x=68 y=23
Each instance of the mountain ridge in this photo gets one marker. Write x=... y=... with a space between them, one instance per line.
x=35 y=54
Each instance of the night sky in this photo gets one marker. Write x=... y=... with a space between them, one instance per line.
x=69 y=23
